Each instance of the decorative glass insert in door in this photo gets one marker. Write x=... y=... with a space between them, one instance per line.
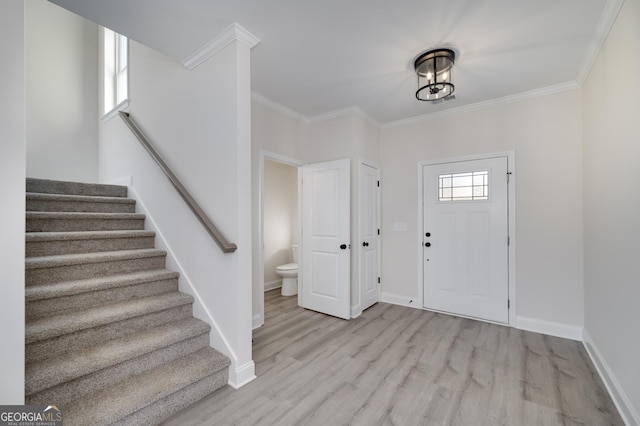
x=467 y=186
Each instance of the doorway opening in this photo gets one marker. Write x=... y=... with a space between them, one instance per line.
x=279 y=229
x=280 y=223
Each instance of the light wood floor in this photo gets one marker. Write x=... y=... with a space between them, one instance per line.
x=401 y=366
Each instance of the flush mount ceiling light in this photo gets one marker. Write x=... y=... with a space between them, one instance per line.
x=434 y=69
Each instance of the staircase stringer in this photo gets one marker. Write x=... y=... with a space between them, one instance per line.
x=217 y=339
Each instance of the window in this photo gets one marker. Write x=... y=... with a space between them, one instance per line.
x=116 y=79
x=468 y=186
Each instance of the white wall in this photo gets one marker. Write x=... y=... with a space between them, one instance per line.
x=330 y=140
x=12 y=208
x=545 y=134
x=199 y=121
x=62 y=93
x=280 y=217
x=612 y=208
x=367 y=140
x=276 y=133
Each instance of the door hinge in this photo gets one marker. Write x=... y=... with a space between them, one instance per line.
x=508 y=176
x=508 y=240
x=378 y=184
x=378 y=280
x=508 y=304
x=378 y=231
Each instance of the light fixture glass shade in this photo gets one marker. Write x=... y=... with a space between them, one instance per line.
x=434 y=69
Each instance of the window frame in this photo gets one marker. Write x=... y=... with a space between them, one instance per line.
x=115 y=69
x=451 y=188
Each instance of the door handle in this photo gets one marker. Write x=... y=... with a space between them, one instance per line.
x=343 y=246
x=427 y=244
x=365 y=244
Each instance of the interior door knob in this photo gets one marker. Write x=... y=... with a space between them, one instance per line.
x=365 y=244
x=427 y=244
x=343 y=246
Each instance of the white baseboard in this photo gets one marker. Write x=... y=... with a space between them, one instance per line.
x=242 y=375
x=550 y=328
x=257 y=321
x=626 y=409
x=272 y=285
x=399 y=300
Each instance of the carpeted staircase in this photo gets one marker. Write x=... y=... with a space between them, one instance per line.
x=108 y=335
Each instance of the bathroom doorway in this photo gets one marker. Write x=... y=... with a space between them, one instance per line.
x=279 y=226
x=280 y=219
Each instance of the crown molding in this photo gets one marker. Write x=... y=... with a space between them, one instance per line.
x=233 y=32
x=264 y=101
x=350 y=110
x=358 y=112
x=607 y=19
x=550 y=90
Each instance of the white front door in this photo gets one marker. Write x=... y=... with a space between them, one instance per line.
x=368 y=244
x=465 y=241
x=326 y=220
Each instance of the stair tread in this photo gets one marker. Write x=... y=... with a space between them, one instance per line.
x=86 y=235
x=83 y=215
x=52 y=372
x=108 y=405
x=70 y=288
x=51 y=186
x=58 y=325
x=57 y=260
x=78 y=198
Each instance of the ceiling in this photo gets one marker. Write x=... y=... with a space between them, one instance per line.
x=316 y=57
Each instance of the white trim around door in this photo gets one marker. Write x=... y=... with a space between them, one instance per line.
x=511 y=203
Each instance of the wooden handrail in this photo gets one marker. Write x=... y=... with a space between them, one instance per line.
x=225 y=246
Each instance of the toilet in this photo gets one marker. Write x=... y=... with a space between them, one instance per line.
x=289 y=274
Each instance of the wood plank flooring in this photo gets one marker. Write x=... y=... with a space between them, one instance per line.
x=401 y=366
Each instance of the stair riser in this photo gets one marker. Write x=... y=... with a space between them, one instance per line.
x=62 y=305
x=74 y=188
x=69 y=225
x=161 y=410
x=48 y=248
x=90 y=270
x=79 y=206
x=96 y=335
x=64 y=392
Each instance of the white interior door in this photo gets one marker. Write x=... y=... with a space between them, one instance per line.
x=465 y=241
x=326 y=220
x=368 y=244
